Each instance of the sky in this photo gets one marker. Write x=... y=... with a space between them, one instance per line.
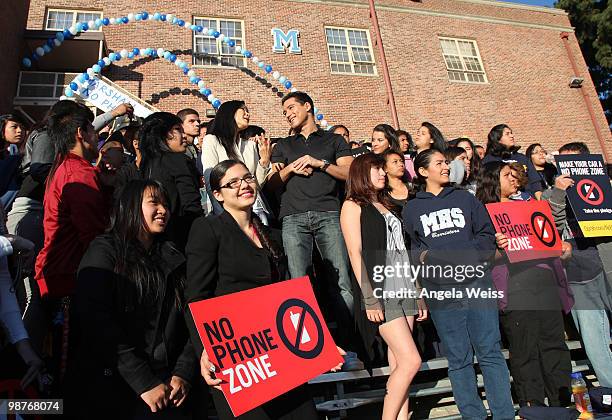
x=534 y=2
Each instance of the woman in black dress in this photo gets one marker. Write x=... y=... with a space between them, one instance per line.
x=229 y=253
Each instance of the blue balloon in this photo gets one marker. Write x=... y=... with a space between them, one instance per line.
x=211 y=32
x=69 y=93
x=79 y=26
x=98 y=22
x=193 y=79
x=46 y=48
x=231 y=43
x=162 y=18
x=136 y=51
x=67 y=34
x=181 y=22
x=268 y=69
x=167 y=54
x=156 y=16
x=172 y=57
x=85 y=26
x=145 y=15
x=288 y=84
x=207 y=92
x=185 y=70
x=106 y=21
x=26 y=62
x=73 y=86
x=248 y=54
x=59 y=36
x=101 y=63
x=216 y=34
x=261 y=64
x=85 y=76
x=51 y=42
x=124 y=19
x=130 y=55
x=197 y=80
x=138 y=17
x=203 y=91
x=216 y=103
x=97 y=68
x=153 y=52
x=319 y=117
x=184 y=65
x=35 y=56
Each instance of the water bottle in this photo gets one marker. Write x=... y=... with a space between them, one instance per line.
x=581 y=396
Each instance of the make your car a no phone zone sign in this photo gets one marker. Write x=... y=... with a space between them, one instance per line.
x=591 y=197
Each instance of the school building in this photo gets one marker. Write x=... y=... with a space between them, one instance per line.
x=464 y=65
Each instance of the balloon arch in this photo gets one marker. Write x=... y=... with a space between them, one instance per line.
x=79 y=86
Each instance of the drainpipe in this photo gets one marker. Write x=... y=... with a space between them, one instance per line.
x=383 y=64
x=585 y=96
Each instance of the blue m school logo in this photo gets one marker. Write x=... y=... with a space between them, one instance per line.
x=286 y=41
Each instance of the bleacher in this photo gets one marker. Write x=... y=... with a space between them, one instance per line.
x=337 y=393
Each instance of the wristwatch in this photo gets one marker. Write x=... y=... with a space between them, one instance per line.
x=325 y=165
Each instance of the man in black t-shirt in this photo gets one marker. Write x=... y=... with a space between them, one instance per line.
x=309 y=165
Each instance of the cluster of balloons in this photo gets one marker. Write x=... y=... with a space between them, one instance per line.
x=96 y=24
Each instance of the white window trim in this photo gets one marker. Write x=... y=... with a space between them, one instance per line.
x=55 y=85
x=74 y=14
x=352 y=63
x=218 y=66
x=475 y=43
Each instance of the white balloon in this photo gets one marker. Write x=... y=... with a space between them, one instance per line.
x=73 y=30
x=255 y=60
x=178 y=62
x=63 y=98
x=40 y=51
x=90 y=72
x=238 y=49
x=169 y=17
x=91 y=24
x=221 y=37
x=293 y=89
x=123 y=53
x=201 y=84
x=57 y=42
x=276 y=75
x=112 y=21
x=131 y=17
x=191 y=73
x=106 y=61
x=160 y=52
x=211 y=98
x=324 y=123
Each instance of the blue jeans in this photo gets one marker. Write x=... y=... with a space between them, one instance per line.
x=593 y=300
x=465 y=330
x=323 y=228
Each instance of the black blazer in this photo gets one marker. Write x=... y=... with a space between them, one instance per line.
x=142 y=345
x=178 y=174
x=221 y=259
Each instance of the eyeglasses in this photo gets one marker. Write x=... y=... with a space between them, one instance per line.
x=234 y=184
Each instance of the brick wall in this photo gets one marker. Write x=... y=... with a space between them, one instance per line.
x=526 y=64
x=12 y=21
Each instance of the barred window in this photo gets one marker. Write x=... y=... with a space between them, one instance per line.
x=210 y=51
x=350 y=51
x=43 y=85
x=463 y=62
x=59 y=19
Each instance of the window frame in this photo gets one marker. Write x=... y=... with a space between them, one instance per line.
x=74 y=15
x=465 y=71
x=351 y=62
x=55 y=84
x=219 y=44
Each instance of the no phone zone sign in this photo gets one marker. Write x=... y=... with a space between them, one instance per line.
x=591 y=197
x=529 y=227
x=262 y=351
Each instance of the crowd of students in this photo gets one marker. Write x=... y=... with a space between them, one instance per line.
x=111 y=225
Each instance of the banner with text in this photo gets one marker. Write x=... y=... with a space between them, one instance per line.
x=529 y=227
x=261 y=351
x=591 y=198
x=107 y=97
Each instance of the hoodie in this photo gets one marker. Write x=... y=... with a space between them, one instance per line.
x=535 y=181
x=453 y=226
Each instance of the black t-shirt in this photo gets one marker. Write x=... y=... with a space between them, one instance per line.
x=319 y=191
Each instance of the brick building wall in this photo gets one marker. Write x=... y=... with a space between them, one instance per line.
x=526 y=64
x=12 y=21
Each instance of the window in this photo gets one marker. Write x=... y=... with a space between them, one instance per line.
x=43 y=85
x=58 y=20
x=350 y=51
x=210 y=51
x=463 y=62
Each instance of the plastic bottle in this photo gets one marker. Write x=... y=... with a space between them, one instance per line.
x=581 y=396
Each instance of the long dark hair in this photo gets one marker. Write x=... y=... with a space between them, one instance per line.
x=436 y=135
x=359 y=186
x=153 y=138
x=225 y=128
x=390 y=135
x=4 y=119
x=216 y=175
x=422 y=160
x=489 y=188
x=141 y=267
x=475 y=161
x=494 y=147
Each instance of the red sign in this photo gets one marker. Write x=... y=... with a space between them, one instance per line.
x=529 y=227
x=265 y=341
x=590 y=192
